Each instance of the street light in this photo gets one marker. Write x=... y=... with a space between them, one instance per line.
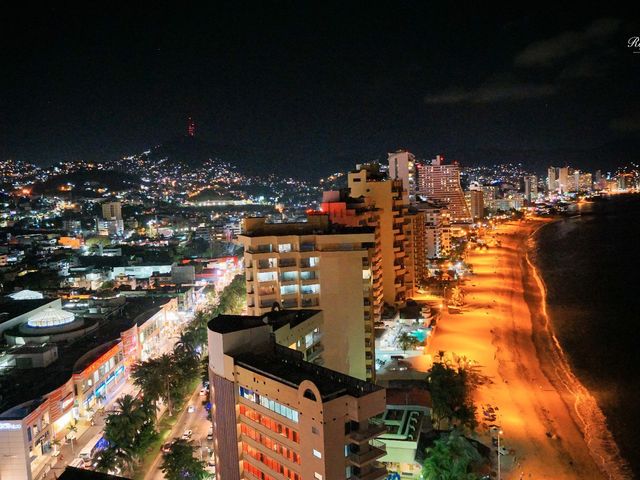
x=499 y=433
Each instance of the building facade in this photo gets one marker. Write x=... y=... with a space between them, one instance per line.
x=440 y=182
x=318 y=266
x=389 y=198
x=277 y=416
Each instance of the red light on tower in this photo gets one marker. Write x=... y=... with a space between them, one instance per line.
x=191 y=128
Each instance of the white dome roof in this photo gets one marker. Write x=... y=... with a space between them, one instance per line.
x=51 y=317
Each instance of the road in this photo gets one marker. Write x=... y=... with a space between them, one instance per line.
x=197 y=422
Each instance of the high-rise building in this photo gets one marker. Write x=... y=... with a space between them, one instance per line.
x=402 y=166
x=191 y=127
x=440 y=182
x=415 y=249
x=275 y=415
x=437 y=229
x=317 y=265
x=112 y=211
x=530 y=188
x=389 y=197
x=552 y=179
x=476 y=204
x=563 y=179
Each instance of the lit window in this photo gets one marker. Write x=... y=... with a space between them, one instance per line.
x=316 y=453
x=317 y=476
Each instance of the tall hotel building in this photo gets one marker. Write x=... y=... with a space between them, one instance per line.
x=317 y=265
x=276 y=416
x=389 y=197
x=441 y=182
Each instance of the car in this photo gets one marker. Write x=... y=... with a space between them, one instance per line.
x=166 y=448
x=187 y=434
x=191 y=409
x=503 y=451
x=203 y=392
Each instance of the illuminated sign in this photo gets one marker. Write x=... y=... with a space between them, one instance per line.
x=10 y=426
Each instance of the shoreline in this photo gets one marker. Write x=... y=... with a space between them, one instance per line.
x=587 y=414
x=504 y=330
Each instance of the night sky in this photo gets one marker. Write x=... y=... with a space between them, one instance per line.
x=315 y=89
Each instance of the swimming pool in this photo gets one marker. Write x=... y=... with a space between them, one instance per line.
x=419 y=334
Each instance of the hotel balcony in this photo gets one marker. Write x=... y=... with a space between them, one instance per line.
x=364 y=435
x=376 y=450
x=309 y=302
x=377 y=473
x=287 y=263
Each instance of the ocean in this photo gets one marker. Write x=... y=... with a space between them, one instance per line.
x=591 y=267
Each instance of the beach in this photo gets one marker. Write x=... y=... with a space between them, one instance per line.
x=551 y=424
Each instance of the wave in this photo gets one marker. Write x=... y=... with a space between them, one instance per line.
x=586 y=411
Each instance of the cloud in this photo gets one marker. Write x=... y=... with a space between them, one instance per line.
x=491 y=93
x=547 y=52
x=626 y=124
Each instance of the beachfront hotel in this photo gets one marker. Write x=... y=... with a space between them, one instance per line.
x=277 y=416
x=317 y=265
x=438 y=181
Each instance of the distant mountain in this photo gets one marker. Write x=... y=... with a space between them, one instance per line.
x=195 y=152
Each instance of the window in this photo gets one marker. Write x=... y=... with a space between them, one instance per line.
x=317 y=476
x=316 y=453
x=284 y=247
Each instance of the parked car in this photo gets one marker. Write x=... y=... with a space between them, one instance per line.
x=187 y=434
x=166 y=448
x=191 y=409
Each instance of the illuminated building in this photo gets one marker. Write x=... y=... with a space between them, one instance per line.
x=530 y=188
x=112 y=211
x=402 y=166
x=191 y=127
x=277 y=416
x=440 y=182
x=389 y=198
x=437 y=229
x=55 y=386
x=316 y=265
x=476 y=204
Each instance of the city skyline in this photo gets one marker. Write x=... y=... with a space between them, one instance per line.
x=316 y=88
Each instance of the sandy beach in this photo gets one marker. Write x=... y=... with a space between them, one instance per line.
x=551 y=423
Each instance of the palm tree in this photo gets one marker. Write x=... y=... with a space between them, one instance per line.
x=407 y=341
x=72 y=428
x=55 y=443
x=451 y=458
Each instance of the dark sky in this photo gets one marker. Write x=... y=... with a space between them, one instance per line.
x=313 y=89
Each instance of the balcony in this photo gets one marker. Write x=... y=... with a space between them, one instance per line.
x=376 y=450
x=287 y=262
x=377 y=473
x=364 y=435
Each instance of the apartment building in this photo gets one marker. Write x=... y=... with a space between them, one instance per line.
x=317 y=265
x=440 y=182
x=389 y=197
x=415 y=249
x=437 y=229
x=402 y=166
x=276 y=416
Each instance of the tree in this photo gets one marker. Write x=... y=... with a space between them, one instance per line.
x=451 y=458
x=451 y=395
x=407 y=342
x=129 y=431
x=457 y=297
x=179 y=463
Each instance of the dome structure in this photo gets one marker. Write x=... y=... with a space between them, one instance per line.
x=50 y=317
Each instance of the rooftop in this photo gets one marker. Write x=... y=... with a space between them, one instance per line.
x=10 y=308
x=34 y=383
x=285 y=366
x=233 y=323
x=316 y=225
